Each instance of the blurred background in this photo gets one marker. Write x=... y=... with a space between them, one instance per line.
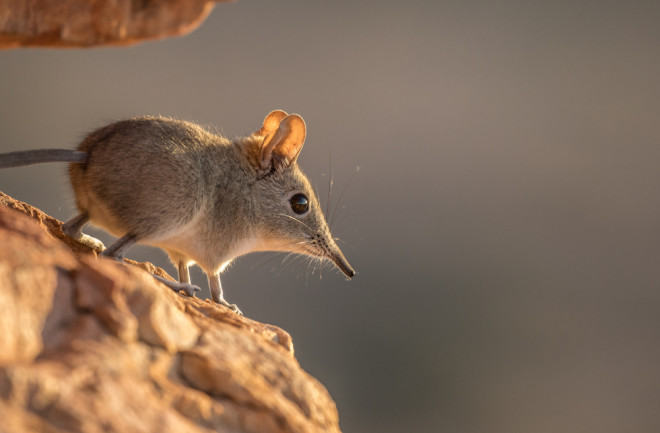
x=503 y=221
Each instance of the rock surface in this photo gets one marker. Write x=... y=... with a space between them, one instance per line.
x=91 y=345
x=84 y=23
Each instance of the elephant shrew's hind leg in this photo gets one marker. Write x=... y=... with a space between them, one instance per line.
x=73 y=228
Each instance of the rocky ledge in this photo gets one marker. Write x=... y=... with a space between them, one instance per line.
x=86 y=23
x=89 y=345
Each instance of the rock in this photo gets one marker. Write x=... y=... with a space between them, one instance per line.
x=84 y=23
x=91 y=345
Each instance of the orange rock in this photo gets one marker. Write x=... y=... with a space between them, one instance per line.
x=84 y=23
x=89 y=344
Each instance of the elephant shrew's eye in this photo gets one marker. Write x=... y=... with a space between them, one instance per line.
x=299 y=203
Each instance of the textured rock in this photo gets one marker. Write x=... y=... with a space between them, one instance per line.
x=91 y=345
x=83 y=23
